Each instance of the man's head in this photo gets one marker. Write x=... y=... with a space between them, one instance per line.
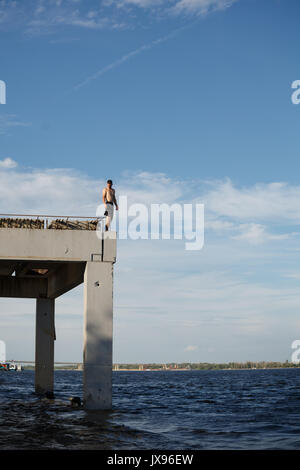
x=109 y=183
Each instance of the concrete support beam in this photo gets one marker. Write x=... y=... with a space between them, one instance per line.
x=98 y=329
x=12 y=286
x=65 y=278
x=109 y=246
x=44 y=345
x=56 y=245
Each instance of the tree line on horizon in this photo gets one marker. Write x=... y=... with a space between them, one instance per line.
x=212 y=366
x=192 y=366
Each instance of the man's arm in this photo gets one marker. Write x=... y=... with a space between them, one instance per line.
x=115 y=201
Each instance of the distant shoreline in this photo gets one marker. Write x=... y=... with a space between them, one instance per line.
x=182 y=367
x=177 y=370
x=191 y=370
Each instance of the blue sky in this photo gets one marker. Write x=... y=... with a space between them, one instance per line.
x=176 y=101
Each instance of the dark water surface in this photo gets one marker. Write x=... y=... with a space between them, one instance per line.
x=247 y=409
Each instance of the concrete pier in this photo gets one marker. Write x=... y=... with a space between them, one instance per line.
x=44 y=345
x=97 y=340
x=44 y=264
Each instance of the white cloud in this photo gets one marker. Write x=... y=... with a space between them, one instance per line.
x=200 y=7
x=144 y=3
x=8 y=121
x=65 y=190
x=45 y=16
x=190 y=348
x=260 y=202
x=48 y=19
x=255 y=214
x=295 y=276
x=59 y=191
x=257 y=234
x=8 y=163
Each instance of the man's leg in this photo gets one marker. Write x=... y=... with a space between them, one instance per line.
x=107 y=220
x=109 y=217
x=107 y=223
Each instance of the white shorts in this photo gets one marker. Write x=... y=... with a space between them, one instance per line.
x=109 y=217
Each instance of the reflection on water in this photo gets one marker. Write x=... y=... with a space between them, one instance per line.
x=253 y=409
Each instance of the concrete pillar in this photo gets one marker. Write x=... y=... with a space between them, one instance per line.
x=44 y=345
x=98 y=329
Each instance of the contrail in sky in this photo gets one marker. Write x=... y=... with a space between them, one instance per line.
x=128 y=56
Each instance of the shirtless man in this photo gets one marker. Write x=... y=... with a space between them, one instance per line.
x=109 y=199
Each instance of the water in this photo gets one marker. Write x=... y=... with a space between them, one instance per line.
x=247 y=409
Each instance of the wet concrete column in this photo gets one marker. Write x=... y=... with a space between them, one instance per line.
x=44 y=345
x=98 y=329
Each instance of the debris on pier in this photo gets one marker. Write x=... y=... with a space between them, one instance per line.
x=57 y=224
x=64 y=224
x=21 y=223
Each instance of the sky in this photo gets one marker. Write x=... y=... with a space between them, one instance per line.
x=177 y=101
